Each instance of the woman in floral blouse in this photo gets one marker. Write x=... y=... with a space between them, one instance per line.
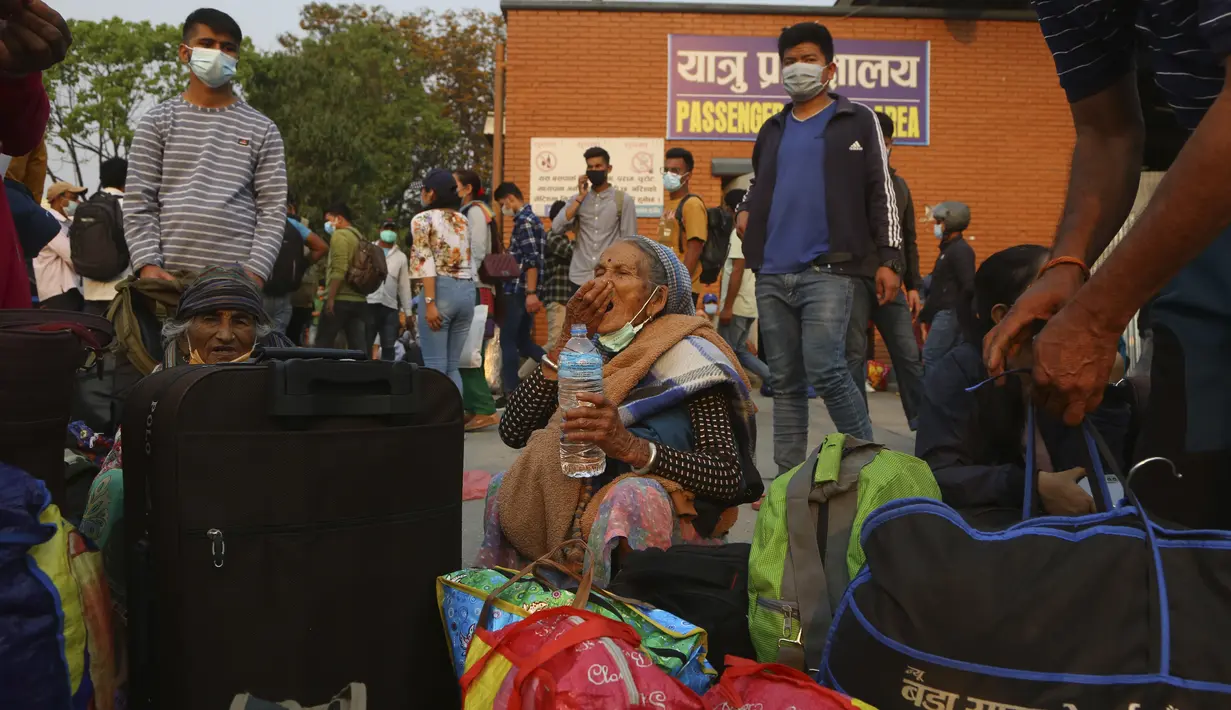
x=440 y=257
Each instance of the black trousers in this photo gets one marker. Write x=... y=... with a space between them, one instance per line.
x=70 y=300
x=301 y=320
x=350 y=319
x=1198 y=499
x=383 y=322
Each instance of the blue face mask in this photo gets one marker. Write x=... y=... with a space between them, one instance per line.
x=617 y=340
x=214 y=68
x=388 y=236
x=672 y=182
x=329 y=228
x=939 y=231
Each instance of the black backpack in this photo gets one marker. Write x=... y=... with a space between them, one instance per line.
x=290 y=265
x=717 y=239
x=96 y=238
x=704 y=585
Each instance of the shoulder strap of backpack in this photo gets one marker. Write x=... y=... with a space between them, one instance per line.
x=679 y=216
x=806 y=570
x=619 y=198
x=679 y=209
x=495 y=244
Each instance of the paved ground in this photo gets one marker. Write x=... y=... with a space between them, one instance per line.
x=485 y=451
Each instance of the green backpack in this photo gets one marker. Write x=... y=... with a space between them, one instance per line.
x=794 y=580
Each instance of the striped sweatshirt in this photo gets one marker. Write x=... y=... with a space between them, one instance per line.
x=206 y=187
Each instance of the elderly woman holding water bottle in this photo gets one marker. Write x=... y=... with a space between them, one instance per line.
x=671 y=424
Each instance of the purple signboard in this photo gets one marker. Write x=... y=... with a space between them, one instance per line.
x=724 y=88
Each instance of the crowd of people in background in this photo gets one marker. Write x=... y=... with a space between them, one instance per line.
x=808 y=260
x=206 y=185
x=796 y=271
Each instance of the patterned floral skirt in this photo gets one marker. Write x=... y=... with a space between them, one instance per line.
x=636 y=510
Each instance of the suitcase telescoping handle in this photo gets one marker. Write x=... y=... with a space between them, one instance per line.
x=332 y=388
x=264 y=354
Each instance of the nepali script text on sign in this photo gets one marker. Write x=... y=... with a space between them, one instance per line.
x=636 y=168
x=724 y=88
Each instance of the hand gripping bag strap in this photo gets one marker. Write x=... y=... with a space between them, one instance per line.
x=1098 y=488
x=806 y=571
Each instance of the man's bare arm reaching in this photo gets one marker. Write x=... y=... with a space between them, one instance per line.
x=1074 y=353
x=1106 y=168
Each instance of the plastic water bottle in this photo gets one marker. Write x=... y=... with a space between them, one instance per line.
x=581 y=370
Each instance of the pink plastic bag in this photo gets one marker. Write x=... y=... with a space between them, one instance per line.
x=771 y=685
x=474 y=484
x=568 y=659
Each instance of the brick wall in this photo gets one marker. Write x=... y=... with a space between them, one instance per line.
x=1001 y=133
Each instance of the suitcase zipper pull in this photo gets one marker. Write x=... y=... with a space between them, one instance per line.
x=217 y=545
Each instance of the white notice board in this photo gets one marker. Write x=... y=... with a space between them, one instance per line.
x=556 y=163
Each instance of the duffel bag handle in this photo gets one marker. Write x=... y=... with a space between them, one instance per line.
x=1098 y=487
x=101 y=331
x=586 y=580
x=1097 y=477
x=92 y=342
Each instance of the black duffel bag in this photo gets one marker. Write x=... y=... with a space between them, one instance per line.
x=1108 y=610
x=704 y=585
x=42 y=351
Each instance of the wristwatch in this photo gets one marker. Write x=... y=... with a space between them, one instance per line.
x=894 y=265
x=534 y=292
x=429 y=300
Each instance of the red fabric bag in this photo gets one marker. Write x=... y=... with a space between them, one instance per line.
x=566 y=658
x=772 y=685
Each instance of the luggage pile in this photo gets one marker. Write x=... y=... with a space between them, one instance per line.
x=1110 y=610
x=269 y=539
x=264 y=556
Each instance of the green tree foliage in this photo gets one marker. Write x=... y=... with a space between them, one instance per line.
x=367 y=100
x=115 y=72
x=357 y=122
x=457 y=49
x=372 y=100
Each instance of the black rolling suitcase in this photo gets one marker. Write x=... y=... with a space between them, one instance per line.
x=286 y=521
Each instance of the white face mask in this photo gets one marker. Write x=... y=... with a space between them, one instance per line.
x=213 y=67
x=939 y=231
x=507 y=211
x=711 y=309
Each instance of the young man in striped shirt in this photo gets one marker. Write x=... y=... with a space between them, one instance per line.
x=207 y=175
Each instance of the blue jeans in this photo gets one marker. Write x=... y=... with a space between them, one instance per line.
x=516 y=340
x=442 y=349
x=804 y=318
x=736 y=334
x=943 y=335
x=279 y=310
x=895 y=326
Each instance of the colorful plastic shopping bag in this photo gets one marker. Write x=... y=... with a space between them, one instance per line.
x=675 y=645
